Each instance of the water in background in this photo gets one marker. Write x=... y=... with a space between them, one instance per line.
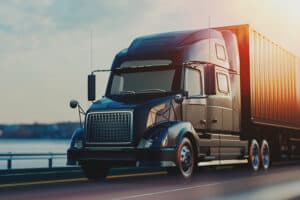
x=33 y=146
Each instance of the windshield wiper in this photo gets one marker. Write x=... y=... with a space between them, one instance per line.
x=152 y=90
x=127 y=92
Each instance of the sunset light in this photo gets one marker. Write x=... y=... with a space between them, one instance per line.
x=56 y=36
x=140 y=99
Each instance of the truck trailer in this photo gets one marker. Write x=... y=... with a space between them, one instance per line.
x=184 y=99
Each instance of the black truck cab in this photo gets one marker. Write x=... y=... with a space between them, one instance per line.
x=172 y=99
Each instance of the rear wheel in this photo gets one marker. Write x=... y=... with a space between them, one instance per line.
x=185 y=158
x=254 y=154
x=94 y=170
x=265 y=155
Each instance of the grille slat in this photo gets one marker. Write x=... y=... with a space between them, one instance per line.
x=109 y=127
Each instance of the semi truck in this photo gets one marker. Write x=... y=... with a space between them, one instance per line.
x=185 y=99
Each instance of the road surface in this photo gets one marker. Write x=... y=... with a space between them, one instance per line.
x=280 y=182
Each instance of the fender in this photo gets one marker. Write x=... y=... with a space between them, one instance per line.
x=186 y=129
x=173 y=131
x=77 y=135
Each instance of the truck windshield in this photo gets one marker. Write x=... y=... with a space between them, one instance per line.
x=154 y=81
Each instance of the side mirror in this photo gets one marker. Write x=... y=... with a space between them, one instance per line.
x=178 y=98
x=91 y=87
x=73 y=104
x=210 y=80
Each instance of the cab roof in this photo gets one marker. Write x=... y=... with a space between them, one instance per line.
x=170 y=40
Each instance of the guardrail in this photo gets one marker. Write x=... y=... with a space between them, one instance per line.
x=9 y=157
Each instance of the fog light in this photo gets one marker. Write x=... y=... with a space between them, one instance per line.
x=145 y=143
x=148 y=143
x=78 y=144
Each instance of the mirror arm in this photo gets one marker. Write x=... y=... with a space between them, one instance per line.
x=92 y=84
x=80 y=121
x=100 y=70
x=80 y=111
x=174 y=110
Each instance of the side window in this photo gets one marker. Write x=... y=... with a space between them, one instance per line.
x=223 y=85
x=193 y=82
x=220 y=50
x=117 y=85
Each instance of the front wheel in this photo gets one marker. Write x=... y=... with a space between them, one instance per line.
x=185 y=158
x=94 y=170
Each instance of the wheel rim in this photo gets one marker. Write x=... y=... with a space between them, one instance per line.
x=186 y=160
x=265 y=154
x=254 y=155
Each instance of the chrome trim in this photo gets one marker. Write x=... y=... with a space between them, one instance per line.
x=111 y=111
x=259 y=122
x=145 y=63
x=222 y=162
x=109 y=148
x=167 y=164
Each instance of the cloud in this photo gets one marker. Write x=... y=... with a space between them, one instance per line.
x=45 y=44
x=23 y=17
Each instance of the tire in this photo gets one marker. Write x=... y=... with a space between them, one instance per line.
x=254 y=155
x=265 y=155
x=94 y=170
x=185 y=159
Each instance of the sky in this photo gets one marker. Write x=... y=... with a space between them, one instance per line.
x=45 y=44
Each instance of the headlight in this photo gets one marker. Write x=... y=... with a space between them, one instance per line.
x=153 y=114
x=165 y=141
x=145 y=143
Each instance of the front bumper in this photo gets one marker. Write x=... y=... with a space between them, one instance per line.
x=122 y=156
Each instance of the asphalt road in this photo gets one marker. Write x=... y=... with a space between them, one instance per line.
x=280 y=182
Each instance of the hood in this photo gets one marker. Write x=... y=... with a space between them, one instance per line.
x=141 y=111
x=131 y=102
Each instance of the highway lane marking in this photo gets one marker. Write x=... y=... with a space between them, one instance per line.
x=187 y=188
x=137 y=174
x=169 y=191
x=192 y=187
x=80 y=179
x=42 y=182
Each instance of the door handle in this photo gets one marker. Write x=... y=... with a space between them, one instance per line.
x=214 y=121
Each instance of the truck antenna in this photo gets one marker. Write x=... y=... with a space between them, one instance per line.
x=209 y=39
x=91 y=50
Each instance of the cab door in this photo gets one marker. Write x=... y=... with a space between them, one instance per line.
x=219 y=104
x=230 y=144
x=194 y=106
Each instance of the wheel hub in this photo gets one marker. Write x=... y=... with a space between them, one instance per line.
x=265 y=154
x=186 y=160
x=254 y=155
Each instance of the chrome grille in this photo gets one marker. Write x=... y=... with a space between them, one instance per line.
x=109 y=127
